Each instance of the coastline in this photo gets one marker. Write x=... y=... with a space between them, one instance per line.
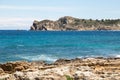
x=98 y=68
x=55 y=30
x=67 y=30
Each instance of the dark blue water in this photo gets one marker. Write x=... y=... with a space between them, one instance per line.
x=52 y=45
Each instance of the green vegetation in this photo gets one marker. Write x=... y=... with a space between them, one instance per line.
x=89 y=22
x=68 y=77
x=2 y=79
x=71 y=23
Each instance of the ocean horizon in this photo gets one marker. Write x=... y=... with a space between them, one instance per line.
x=17 y=45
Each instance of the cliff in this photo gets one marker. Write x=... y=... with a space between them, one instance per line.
x=71 y=23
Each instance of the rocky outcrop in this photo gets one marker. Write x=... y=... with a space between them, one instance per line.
x=14 y=66
x=71 y=23
x=64 y=69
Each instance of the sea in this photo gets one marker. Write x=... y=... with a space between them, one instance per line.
x=23 y=45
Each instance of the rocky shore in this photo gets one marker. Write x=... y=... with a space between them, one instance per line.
x=63 y=69
x=71 y=23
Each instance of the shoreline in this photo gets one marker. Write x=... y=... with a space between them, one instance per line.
x=54 y=30
x=98 y=68
x=52 y=62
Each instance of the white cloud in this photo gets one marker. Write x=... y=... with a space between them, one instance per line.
x=41 y=8
x=25 y=23
x=15 y=23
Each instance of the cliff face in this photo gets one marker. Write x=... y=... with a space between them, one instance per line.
x=70 y=23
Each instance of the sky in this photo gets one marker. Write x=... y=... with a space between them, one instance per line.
x=20 y=14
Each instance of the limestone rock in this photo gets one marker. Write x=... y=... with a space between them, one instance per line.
x=1 y=71
x=71 y=23
x=14 y=66
x=62 y=61
x=76 y=69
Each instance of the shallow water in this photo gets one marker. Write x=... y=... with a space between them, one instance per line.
x=52 y=45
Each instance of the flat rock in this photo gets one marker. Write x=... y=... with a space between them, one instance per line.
x=77 y=69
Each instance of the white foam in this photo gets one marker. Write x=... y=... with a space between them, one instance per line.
x=42 y=57
x=118 y=56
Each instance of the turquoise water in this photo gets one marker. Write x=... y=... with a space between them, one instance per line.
x=52 y=45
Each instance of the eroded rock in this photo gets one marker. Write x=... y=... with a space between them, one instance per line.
x=14 y=66
x=78 y=69
x=71 y=23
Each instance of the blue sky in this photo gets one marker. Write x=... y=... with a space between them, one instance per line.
x=19 y=14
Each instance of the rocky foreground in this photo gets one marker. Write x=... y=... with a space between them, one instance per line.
x=63 y=69
x=71 y=23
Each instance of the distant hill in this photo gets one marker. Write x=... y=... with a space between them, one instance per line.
x=71 y=23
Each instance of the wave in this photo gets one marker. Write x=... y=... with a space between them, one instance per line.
x=41 y=57
x=118 y=56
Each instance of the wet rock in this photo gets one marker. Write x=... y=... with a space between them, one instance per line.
x=62 y=61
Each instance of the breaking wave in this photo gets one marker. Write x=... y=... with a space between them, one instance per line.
x=118 y=56
x=42 y=57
